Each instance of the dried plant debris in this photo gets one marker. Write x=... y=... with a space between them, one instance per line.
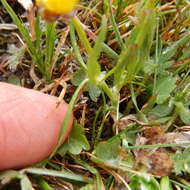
x=157 y=160
x=27 y=4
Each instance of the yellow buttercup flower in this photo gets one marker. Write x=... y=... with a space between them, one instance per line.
x=57 y=6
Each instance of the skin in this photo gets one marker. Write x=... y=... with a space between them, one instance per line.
x=30 y=123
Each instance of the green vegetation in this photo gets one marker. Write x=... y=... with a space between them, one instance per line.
x=132 y=62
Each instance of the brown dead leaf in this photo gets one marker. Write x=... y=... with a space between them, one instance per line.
x=150 y=132
x=178 y=137
x=157 y=160
x=124 y=122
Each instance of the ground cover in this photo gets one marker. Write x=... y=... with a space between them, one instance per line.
x=123 y=67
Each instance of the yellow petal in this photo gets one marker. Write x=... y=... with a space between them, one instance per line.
x=57 y=6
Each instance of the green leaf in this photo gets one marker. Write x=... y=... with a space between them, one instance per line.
x=129 y=134
x=164 y=86
x=139 y=182
x=115 y=26
x=172 y=50
x=108 y=150
x=136 y=55
x=87 y=187
x=50 y=41
x=181 y=161
x=94 y=92
x=67 y=117
x=43 y=184
x=166 y=57
x=76 y=47
x=184 y=113
x=63 y=174
x=25 y=183
x=78 y=77
x=15 y=57
x=50 y=45
x=76 y=141
x=93 y=67
x=161 y=110
x=165 y=183
x=163 y=119
x=81 y=33
x=129 y=161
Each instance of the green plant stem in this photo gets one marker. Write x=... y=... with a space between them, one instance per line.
x=76 y=22
x=119 y=8
x=89 y=9
x=43 y=184
x=114 y=166
x=155 y=146
x=94 y=124
x=156 y=59
x=109 y=93
x=100 y=129
x=88 y=167
x=78 y=26
x=109 y=73
x=180 y=185
x=110 y=52
x=75 y=47
x=115 y=27
x=68 y=116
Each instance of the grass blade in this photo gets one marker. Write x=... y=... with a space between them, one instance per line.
x=75 y=46
x=115 y=27
x=62 y=174
x=50 y=44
